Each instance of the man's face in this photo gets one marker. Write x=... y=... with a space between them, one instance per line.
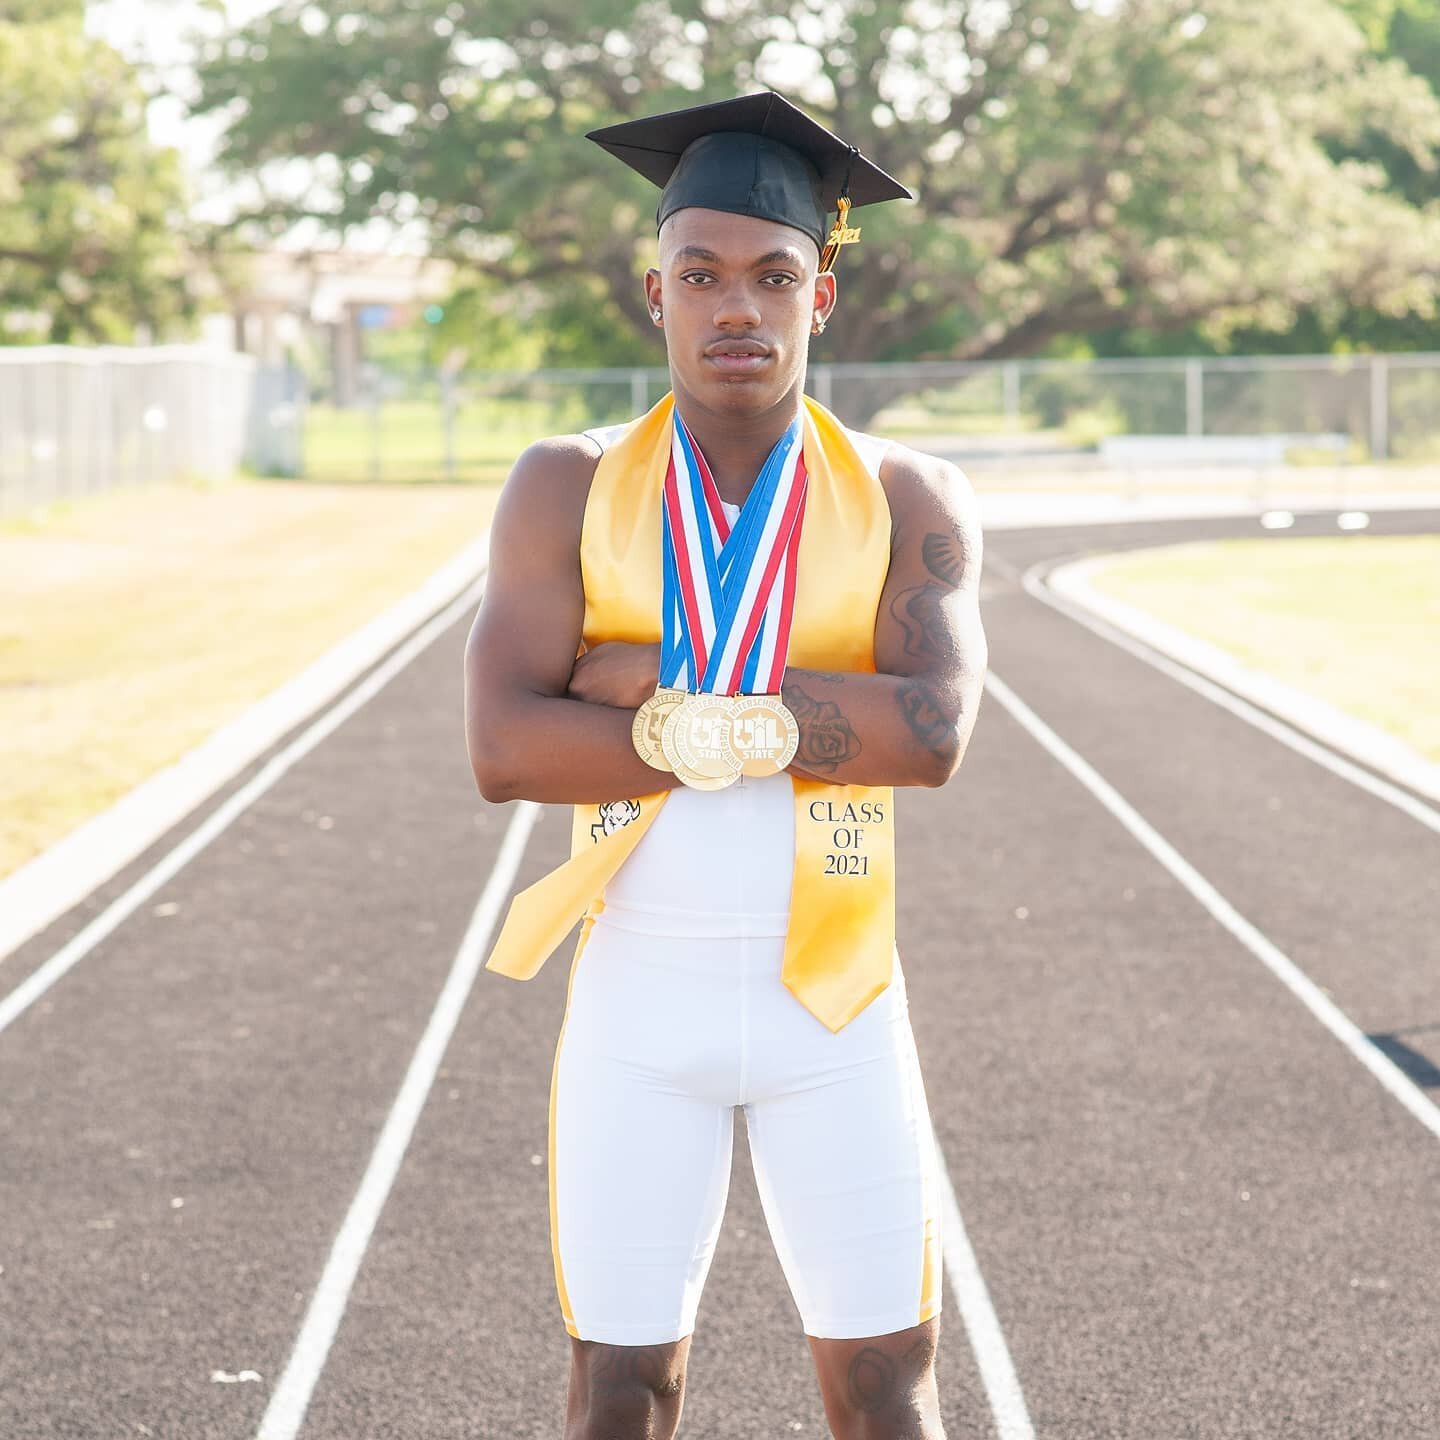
x=738 y=296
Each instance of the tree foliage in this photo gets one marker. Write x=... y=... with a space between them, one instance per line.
x=1407 y=31
x=89 y=208
x=1082 y=166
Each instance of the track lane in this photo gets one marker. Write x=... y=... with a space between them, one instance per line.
x=1095 y=1290
x=237 y=1053
x=454 y=1328
x=1345 y=884
x=1197 y=1215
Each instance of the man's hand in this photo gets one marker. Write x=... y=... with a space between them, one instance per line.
x=616 y=673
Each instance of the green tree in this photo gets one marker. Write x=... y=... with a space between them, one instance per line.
x=1082 y=166
x=1408 y=33
x=1373 y=17
x=91 y=212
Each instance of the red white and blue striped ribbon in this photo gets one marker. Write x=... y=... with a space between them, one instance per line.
x=730 y=590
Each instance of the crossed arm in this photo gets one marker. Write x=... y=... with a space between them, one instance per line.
x=544 y=725
x=909 y=722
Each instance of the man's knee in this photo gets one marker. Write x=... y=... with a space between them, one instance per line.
x=883 y=1388
x=619 y=1391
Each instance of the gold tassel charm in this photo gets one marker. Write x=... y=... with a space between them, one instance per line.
x=840 y=234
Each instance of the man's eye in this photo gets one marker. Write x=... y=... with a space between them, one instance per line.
x=695 y=275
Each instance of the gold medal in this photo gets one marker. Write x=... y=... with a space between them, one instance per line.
x=695 y=739
x=648 y=722
x=763 y=734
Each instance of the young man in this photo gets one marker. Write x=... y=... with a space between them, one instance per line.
x=776 y=621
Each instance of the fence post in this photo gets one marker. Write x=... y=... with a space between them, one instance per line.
x=1194 y=397
x=1010 y=390
x=1379 y=407
x=639 y=392
x=64 y=436
x=297 y=391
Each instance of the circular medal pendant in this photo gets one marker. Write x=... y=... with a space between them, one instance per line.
x=649 y=721
x=695 y=739
x=764 y=734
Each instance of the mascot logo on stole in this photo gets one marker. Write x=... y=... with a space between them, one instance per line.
x=614 y=815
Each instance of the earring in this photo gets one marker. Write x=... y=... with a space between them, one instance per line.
x=818 y=328
x=656 y=314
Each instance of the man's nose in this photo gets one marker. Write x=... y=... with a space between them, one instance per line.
x=735 y=308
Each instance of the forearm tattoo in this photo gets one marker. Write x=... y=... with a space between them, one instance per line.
x=928 y=722
x=826 y=736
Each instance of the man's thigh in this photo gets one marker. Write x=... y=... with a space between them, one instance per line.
x=640 y=1152
x=849 y=1178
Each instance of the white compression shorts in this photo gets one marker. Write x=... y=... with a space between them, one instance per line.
x=675 y=1015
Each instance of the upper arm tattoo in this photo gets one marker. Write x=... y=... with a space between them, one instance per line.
x=949 y=556
x=923 y=621
x=946 y=556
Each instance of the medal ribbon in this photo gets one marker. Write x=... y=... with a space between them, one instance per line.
x=728 y=593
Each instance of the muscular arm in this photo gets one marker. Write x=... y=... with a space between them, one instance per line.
x=909 y=723
x=527 y=739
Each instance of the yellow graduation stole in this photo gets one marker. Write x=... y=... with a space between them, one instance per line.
x=839 y=945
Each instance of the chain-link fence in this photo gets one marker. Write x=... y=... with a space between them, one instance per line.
x=1084 y=400
x=419 y=426
x=75 y=420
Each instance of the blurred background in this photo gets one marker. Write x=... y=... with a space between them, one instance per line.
x=286 y=287
x=1134 y=216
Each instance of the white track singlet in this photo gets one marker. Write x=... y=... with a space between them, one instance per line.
x=676 y=1015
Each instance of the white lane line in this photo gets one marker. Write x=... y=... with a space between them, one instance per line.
x=1395 y=1081
x=39 y=981
x=291 y=1397
x=1032 y=580
x=1338 y=731
x=982 y=1325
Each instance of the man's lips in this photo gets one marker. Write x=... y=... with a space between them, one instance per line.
x=737 y=356
x=736 y=346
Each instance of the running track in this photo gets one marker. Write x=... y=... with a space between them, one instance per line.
x=1196 y=1211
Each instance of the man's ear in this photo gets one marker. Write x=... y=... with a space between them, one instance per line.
x=653 y=301
x=825 y=294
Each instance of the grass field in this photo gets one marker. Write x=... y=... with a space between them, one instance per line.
x=405 y=445
x=1354 y=621
x=135 y=623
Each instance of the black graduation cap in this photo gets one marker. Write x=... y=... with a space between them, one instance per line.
x=753 y=155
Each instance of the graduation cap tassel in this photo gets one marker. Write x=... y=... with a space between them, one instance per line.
x=841 y=233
